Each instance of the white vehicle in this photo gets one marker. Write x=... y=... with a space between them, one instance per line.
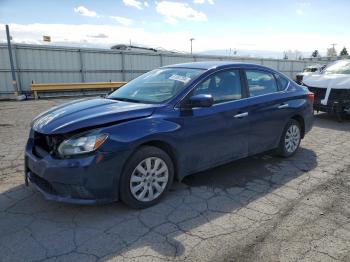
x=309 y=70
x=331 y=88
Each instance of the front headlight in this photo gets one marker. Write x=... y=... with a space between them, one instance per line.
x=81 y=144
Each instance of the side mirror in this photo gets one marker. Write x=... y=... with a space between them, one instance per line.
x=202 y=100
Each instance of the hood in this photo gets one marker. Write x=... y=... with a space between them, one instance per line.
x=87 y=113
x=305 y=73
x=334 y=81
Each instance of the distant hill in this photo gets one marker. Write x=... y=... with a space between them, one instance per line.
x=250 y=53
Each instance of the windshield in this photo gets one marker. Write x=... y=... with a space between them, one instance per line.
x=310 y=69
x=156 y=86
x=338 y=67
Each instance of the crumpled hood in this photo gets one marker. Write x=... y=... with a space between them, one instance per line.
x=334 y=81
x=305 y=74
x=87 y=113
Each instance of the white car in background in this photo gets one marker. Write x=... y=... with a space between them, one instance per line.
x=331 y=88
x=309 y=70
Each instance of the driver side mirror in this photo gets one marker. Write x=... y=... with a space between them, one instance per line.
x=202 y=100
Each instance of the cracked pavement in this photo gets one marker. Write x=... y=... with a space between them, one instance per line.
x=263 y=208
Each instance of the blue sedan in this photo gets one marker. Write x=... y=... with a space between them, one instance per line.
x=164 y=125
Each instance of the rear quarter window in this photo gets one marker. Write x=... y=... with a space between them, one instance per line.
x=282 y=82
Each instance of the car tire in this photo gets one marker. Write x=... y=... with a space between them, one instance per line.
x=290 y=139
x=147 y=175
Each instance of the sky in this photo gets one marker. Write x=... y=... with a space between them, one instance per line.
x=263 y=25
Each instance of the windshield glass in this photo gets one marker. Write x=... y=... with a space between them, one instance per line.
x=310 y=69
x=156 y=86
x=338 y=67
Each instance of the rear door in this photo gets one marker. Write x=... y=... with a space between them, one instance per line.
x=214 y=135
x=269 y=108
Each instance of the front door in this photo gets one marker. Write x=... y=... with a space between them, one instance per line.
x=218 y=133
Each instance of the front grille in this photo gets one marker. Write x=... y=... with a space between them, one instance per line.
x=336 y=95
x=41 y=141
x=46 y=144
x=339 y=95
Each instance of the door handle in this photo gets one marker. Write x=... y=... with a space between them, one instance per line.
x=283 y=106
x=241 y=115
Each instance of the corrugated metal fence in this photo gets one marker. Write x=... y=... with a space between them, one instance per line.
x=49 y=64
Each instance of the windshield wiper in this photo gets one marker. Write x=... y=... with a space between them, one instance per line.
x=125 y=99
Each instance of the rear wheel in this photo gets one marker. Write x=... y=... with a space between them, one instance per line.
x=147 y=176
x=290 y=139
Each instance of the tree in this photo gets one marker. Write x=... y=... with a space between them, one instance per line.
x=331 y=51
x=290 y=54
x=315 y=53
x=344 y=51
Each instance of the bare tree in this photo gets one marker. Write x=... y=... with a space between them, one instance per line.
x=331 y=51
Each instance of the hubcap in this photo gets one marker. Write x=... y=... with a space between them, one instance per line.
x=292 y=138
x=149 y=179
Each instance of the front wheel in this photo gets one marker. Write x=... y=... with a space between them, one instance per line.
x=147 y=176
x=290 y=139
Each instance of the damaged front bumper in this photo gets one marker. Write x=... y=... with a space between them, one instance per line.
x=88 y=179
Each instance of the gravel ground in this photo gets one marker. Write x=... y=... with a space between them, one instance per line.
x=262 y=208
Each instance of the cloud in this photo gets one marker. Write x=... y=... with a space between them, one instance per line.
x=122 y=20
x=301 y=7
x=304 y=4
x=98 y=36
x=203 y=1
x=82 y=10
x=174 y=11
x=134 y=3
x=82 y=35
x=104 y=36
x=146 y=4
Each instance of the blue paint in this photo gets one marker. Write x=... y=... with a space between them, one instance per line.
x=199 y=138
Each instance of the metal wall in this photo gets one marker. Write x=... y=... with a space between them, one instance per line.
x=49 y=64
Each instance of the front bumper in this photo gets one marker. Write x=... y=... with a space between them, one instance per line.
x=338 y=100
x=333 y=107
x=88 y=179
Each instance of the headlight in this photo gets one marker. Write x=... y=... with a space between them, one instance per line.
x=81 y=144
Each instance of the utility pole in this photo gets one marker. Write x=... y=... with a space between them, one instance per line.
x=191 y=44
x=14 y=82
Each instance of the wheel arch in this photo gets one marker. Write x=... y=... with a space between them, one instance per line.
x=167 y=148
x=301 y=121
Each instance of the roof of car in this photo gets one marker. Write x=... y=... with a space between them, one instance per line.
x=210 y=64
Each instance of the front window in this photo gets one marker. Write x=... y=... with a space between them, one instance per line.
x=156 y=86
x=338 y=67
x=223 y=86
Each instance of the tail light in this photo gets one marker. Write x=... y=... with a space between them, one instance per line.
x=311 y=97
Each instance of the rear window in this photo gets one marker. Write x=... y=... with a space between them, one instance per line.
x=260 y=82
